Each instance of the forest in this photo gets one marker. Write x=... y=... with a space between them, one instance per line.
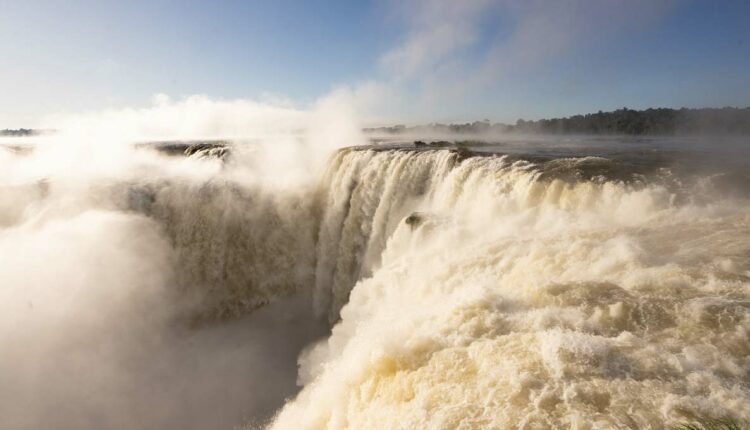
x=652 y=121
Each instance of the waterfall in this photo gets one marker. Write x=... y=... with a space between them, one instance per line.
x=499 y=292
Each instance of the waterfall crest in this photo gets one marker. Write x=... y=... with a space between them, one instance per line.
x=498 y=292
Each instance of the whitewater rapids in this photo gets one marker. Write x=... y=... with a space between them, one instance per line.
x=493 y=292
x=434 y=288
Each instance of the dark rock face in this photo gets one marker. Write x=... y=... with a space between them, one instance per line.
x=441 y=144
x=415 y=219
x=189 y=148
x=219 y=152
x=462 y=153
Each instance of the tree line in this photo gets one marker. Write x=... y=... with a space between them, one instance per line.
x=659 y=121
x=19 y=132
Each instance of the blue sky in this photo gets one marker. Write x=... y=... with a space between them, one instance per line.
x=426 y=60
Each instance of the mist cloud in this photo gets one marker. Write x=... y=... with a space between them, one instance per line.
x=108 y=250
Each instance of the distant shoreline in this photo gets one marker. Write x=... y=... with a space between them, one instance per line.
x=621 y=122
x=25 y=132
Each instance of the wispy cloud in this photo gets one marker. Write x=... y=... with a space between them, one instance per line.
x=436 y=30
x=451 y=49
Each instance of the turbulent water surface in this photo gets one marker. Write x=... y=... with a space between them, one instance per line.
x=568 y=284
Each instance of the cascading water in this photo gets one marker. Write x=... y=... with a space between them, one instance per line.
x=158 y=292
x=462 y=290
x=493 y=292
x=238 y=247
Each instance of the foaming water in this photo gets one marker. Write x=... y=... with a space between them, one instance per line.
x=455 y=288
x=130 y=298
x=496 y=292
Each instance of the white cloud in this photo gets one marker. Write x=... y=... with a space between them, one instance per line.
x=437 y=29
x=452 y=49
